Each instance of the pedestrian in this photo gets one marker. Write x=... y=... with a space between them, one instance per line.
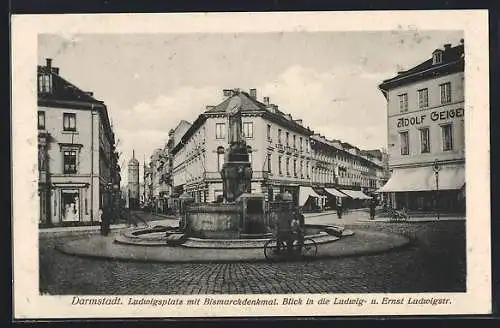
x=372 y=209
x=339 y=207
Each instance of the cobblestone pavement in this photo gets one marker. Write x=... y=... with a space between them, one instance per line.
x=434 y=263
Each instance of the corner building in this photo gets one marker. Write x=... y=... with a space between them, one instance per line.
x=77 y=160
x=425 y=116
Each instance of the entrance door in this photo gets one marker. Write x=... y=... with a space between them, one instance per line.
x=70 y=205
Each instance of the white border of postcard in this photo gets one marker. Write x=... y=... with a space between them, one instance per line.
x=28 y=303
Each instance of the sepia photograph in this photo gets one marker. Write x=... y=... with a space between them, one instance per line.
x=233 y=168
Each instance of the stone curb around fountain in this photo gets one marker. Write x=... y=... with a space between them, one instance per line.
x=365 y=242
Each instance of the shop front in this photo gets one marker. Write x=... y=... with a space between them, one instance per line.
x=424 y=189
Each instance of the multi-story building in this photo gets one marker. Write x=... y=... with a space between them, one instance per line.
x=342 y=170
x=77 y=161
x=425 y=114
x=278 y=145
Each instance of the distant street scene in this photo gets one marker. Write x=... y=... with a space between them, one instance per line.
x=250 y=166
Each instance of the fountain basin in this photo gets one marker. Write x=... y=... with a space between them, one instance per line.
x=156 y=237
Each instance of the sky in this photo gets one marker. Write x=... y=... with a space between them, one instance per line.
x=149 y=82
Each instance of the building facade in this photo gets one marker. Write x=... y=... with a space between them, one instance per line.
x=278 y=145
x=77 y=160
x=284 y=154
x=426 y=136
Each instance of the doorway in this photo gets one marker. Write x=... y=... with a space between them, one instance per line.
x=70 y=205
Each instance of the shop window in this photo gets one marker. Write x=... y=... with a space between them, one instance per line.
x=447 y=133
x=70 y=210
x=69 y=121
x=41 y=120
x=220 y=130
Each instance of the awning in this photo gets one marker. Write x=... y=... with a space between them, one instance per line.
x=335 y=192
x=355 y=194
x=451 y=177
x=305 y=193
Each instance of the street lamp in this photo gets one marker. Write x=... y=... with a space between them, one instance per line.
x=436 y=168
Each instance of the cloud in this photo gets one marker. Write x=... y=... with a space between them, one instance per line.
x=145 y=126
x=342 y=104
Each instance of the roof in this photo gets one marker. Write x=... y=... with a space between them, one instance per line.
x=62 y=89
x=452 y=60
x=248 y=105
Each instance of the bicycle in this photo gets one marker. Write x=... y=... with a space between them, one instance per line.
x=275 y=249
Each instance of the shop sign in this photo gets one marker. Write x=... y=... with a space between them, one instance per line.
x=434 y=116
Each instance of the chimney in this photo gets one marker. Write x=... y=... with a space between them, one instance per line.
x=253 y=94
x=49 y=63
x=461 y=41
x=266 y=101
x=227 y=92
x=447 y=46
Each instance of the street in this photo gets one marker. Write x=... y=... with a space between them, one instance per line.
x=435 y=262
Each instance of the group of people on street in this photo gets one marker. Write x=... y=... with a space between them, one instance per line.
x=372 y=206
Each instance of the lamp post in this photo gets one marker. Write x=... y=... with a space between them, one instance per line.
x=436 y=167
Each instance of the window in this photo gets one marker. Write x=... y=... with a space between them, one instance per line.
x=220 y=158
x=447 y=133
x=41 y=120
x=425 y=146
x=280 y=171
x=445 y=93
x=220 y=130
x=307 y=169
x=69 y=161
x=269 y=163
x=423 y=98
x=287 y=140
x=44 y=83
x=437 y=57
x=69 y=121
x=288 y=166
x=405 y=143
x=294 y=142
x=279 y=136
x=301 y=167
x=248 y=129
x=295 y=168
x=300 y=141
x=269 y=132
x=403 y=102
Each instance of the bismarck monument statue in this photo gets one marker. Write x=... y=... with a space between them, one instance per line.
x=237 y=171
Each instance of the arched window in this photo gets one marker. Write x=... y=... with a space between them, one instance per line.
x=220 y=158
x=249 y=151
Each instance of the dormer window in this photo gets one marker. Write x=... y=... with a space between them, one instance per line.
x=44 y=83
x=437 y=57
